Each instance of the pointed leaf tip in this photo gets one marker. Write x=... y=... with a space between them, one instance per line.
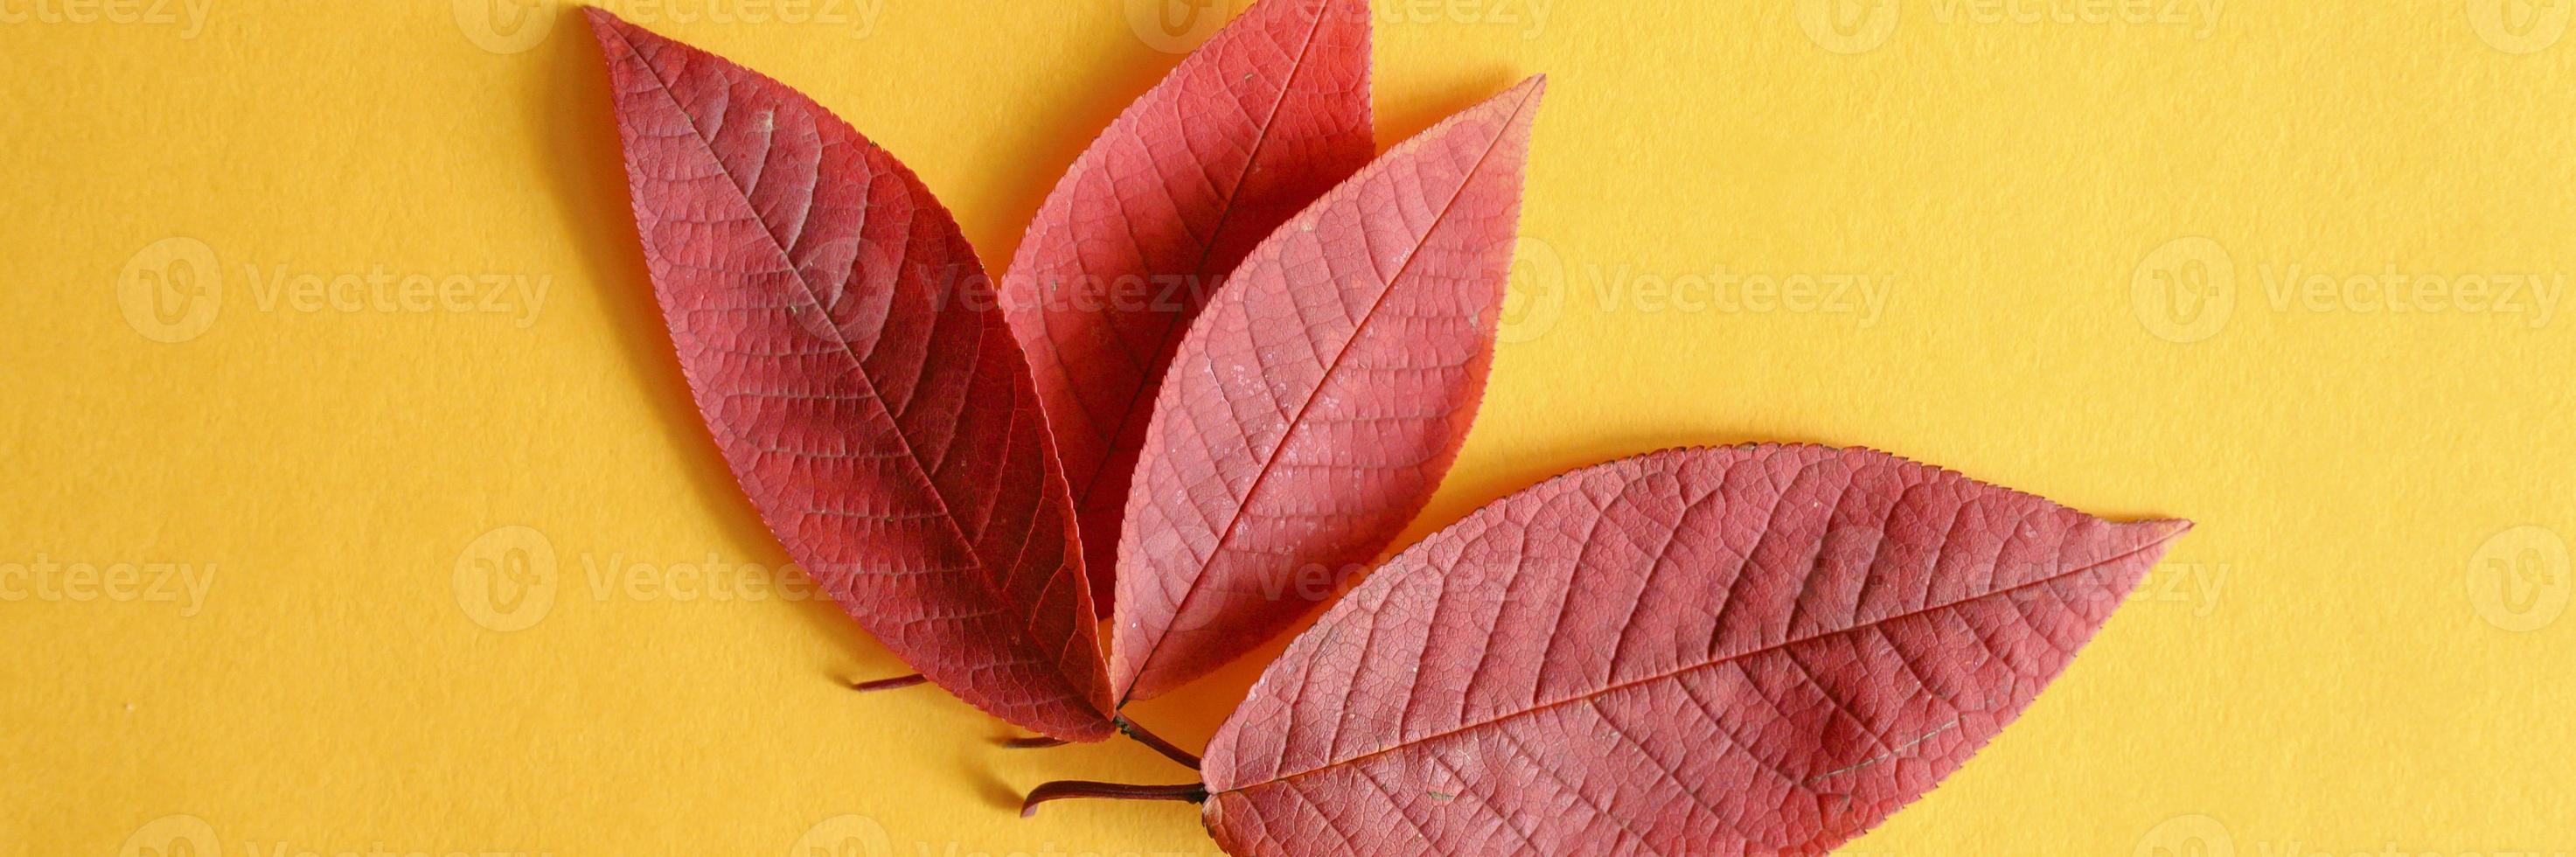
x=1367 y=323
x=879 y=419
x=609 y=29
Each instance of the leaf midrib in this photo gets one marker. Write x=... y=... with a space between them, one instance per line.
x=920 y=468
x=1297 y=423
x=1707 y=664
x=1163 y=345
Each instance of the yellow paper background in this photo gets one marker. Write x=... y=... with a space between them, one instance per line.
x=2361 y=648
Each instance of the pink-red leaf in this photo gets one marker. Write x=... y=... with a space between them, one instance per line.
x=880 y=420
x=1268 y=115
x=1320 y=398
x=1755 y=650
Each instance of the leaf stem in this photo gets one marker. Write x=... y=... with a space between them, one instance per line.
x=1063 y=789
x=896 y=683
x=1156 y=743
x=1039 y=742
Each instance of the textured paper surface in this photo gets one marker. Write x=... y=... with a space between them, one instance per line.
x=2332 y=662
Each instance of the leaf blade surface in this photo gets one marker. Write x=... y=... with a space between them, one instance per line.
x=880 y=420
x=1249 y=129
x=1752 y=650
x=1320 y=399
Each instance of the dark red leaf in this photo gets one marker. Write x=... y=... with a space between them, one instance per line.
x=1756 y=650
x=1261 y=120
x=1320 y=398
x=880 y=420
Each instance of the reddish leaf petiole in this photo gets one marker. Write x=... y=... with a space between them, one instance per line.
x=1065 y=789
x=1156 y=743
x=896 y=683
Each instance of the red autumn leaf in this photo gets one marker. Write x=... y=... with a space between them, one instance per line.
x=881 y=420
x=1261 y=120
x=1756 y=650
x=1320 y=398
